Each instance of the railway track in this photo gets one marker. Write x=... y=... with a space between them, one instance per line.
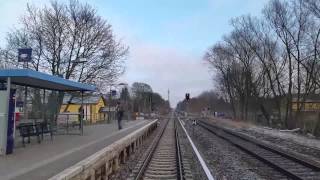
x=162 y=159
x=286 y=163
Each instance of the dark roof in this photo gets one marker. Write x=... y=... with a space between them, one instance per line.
x=112 y=102
x=31 y=78
x=308 y=98
x=94 y=99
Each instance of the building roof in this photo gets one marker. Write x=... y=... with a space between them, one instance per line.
x=308 y=98
x=31 y=78
x=107 y=109
x=93 y=99
x=112 y=101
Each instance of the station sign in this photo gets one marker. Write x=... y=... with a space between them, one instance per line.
x=113 y=92
x=24 y=55
x=19 y=103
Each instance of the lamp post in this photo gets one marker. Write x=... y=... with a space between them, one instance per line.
x=125 y=98
x=109 y=113
x=78 y=61
x=110 y=96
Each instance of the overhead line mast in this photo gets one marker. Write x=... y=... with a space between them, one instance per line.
x=168 y=95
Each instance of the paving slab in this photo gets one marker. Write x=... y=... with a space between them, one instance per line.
x=42 y=161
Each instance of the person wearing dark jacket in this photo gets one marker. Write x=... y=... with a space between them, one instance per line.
x=120 y=111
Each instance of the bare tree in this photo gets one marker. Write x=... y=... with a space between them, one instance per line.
x=271 y=60
x=71 y=41
x=142 y=93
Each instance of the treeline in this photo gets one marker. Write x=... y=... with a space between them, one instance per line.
x=265 y=64
x=141 y=98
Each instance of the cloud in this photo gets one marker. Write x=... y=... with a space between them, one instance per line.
x=165 y=53
x=168 y=68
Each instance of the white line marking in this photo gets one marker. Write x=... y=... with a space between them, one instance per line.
x=203 y=164
x=54 y=158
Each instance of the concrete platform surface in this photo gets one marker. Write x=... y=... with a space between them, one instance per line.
x=42 y=161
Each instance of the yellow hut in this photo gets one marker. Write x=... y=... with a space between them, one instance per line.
x=92 y=106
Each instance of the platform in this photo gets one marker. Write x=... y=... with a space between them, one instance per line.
x=41 y=161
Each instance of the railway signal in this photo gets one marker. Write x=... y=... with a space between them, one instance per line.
x=187 y=96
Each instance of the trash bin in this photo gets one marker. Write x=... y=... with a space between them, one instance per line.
x=17 y=117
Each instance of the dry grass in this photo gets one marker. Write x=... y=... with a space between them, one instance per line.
x=231 y=123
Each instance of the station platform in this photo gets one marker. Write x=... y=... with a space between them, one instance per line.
x=42 y=161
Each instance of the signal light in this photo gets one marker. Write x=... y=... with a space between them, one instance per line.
x=187 y=96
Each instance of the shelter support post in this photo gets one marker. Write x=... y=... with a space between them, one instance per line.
x=8 y=94
x=44 y=106
x=109 y=114
x=81 y=114
x=5 y=129
x=25 y=109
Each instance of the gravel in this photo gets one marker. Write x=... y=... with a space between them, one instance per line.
x=225 y=161
x=126 y=168
x=286 y=141
x=307 y=147
x=189 y=156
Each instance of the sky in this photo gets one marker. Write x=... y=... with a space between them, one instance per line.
x=167 y=38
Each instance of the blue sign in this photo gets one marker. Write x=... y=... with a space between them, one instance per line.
x=24 y=55
x=113 y=92
x=19 y=103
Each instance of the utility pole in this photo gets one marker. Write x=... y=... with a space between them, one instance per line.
x=168 y=95
x=109 y=113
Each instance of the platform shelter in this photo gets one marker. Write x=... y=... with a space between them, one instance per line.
x=28 y=78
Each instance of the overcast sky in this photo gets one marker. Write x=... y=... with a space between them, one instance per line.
x=167 y=38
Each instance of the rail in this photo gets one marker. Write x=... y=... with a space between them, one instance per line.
x=106 y=161
x=150 y=152
x=274 y=157
x=179 y=157
x=202 y=162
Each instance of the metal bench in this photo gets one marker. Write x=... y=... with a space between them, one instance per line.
x=38 y=129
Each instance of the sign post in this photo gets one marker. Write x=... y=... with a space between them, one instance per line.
x=7 y=119
x=25 y=56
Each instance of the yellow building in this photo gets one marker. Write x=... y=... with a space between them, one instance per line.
x=309 y=104
x=92 y=106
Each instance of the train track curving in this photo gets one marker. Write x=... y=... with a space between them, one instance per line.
x=287 y=163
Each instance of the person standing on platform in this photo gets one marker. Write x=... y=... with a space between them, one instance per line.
x=120 y=111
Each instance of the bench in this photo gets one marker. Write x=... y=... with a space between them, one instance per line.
x=46 y=128
x=38 y=129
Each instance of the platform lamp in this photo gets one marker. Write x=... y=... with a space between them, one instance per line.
x=126 y=100
x=78 y=61
x=110 y=97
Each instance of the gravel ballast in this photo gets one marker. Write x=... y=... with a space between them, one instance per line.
x=226 y=161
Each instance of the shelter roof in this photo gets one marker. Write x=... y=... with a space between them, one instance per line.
x=31 y=78
x=93 y=99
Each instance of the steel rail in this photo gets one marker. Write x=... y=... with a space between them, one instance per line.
x=179 y=156
x=150 y=152
x=196 y=151
x=290 y=174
